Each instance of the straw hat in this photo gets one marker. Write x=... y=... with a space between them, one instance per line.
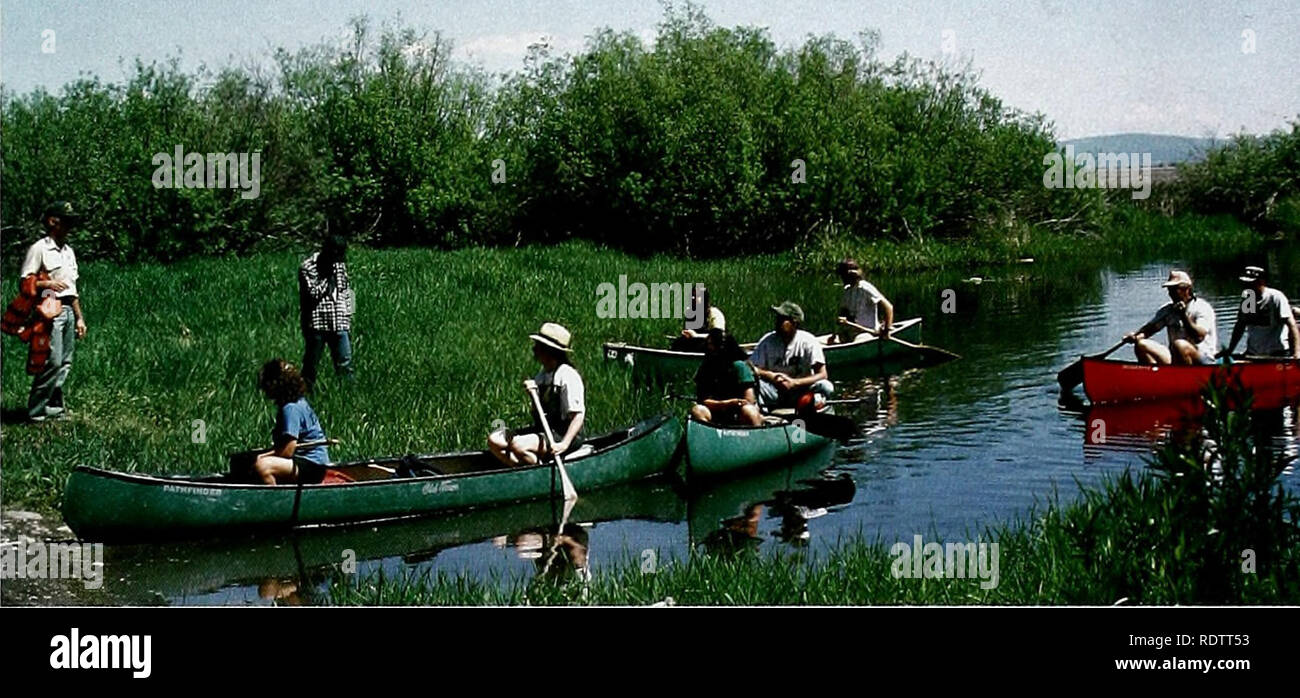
x=1178 y=278
x=554 y=336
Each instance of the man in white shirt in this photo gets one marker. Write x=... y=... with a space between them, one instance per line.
x=563 y=398
x=53 y=255
x=1190 y=323
x=1266 y=318
x=789 y=363
x=861 y=303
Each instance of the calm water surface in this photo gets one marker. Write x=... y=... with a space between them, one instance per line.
x=946 y=451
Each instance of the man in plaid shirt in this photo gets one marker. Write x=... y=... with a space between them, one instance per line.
x=326 y=304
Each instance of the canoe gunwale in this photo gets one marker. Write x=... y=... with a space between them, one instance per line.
x=1290 y=382
x=625 y=348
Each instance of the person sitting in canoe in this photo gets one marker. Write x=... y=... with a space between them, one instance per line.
x=861 y=303
x=1190 y=323
x=295 y=422
x=1270 y=325
x=724 y=383
x=789 y=363
x=694 y=332
x=562 y=396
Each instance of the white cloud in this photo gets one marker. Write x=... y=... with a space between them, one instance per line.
x=497 y=48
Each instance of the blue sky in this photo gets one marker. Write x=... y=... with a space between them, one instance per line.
x=1097 y=67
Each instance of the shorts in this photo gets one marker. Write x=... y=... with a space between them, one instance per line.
x=578 y=440
x=309 y=471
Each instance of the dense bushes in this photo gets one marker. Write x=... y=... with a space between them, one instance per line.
x=1256 y=179
x=687 y=145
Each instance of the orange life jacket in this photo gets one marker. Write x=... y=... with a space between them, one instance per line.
x=22 y=320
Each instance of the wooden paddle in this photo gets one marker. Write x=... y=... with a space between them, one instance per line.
x=925 y=350
x=1071 y=376
x=570 y=493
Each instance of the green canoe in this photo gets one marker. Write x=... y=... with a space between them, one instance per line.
x=665 y=363
x=102 y=505
x=713 y=450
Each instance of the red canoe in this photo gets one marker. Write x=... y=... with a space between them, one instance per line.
x=1273 y=382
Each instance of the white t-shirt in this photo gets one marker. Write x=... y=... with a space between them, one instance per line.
x=60 y=262
x=716 y=320
x=1201 y=315
x=562 y=395
x=795 y=359
x=1266 y=327
x=860 y=300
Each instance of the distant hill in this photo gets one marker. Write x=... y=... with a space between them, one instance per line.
x=1164 y=149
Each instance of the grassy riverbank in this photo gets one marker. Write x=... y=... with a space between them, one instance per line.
x=440 y=340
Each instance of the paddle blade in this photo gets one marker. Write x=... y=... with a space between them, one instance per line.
x=1071 y=376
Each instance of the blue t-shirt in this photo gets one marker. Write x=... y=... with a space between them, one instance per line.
x=297 y=421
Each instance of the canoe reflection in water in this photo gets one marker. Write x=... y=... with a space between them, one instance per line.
x=794 y=507
x=1140 y=427
x=560 y=554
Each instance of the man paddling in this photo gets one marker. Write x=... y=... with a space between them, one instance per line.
x=1190 y=324
x=1270 y=326
x=562 y=395
x=861 y=304
x=789 y=362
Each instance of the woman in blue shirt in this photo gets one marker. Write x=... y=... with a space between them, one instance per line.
x=295 y=423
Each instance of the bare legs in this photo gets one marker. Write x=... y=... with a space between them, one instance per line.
x=1149 y=351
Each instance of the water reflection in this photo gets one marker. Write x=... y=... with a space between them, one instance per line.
x=727 y=517
x=559 y=552
x=1141 y=427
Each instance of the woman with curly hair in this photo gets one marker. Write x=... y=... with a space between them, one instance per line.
x=295 y=422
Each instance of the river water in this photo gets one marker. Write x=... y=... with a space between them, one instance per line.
x=946 y=451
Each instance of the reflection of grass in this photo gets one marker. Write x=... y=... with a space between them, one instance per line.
x=1173 y=535
x=441 y=345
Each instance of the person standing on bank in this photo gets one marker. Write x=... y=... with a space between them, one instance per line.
x=326 y=305
x=52 y=256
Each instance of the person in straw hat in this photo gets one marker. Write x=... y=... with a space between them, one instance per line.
x=562 y=396
x=1190 y=323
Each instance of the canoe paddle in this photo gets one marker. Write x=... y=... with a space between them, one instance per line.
x=925 y=350
x=1071 y=376
x=570 y=493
